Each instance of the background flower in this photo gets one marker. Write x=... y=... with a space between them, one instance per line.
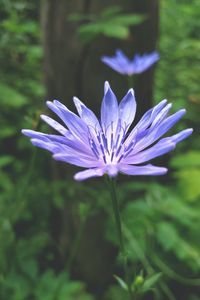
x=123 y=65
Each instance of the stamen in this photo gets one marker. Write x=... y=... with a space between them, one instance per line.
x=94 y=148
x=105 y=142
x=118 y=150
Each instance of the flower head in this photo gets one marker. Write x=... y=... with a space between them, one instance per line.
x=123 y=65
x=105 y=146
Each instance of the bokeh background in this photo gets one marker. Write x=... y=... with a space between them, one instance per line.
x=57 y=238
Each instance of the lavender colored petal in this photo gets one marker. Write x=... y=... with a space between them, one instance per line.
x=124 y=63
x=52 y=147
x=44 y=136
x=144 y=62
x=76 y=126
x=111 y=62
x=109 y=109
x=122 y=57
x=98 y=172
x=162 y=147
x=68 y=140
x=127 y=109
x=159 y=131
x=142 y=170
x=80 y=161
x=145 y=121
x=177 y=138
x=160 y=116
x=87 y=115
x=55 y=125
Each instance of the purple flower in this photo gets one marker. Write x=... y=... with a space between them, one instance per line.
x=123 y=65
x=105 y=146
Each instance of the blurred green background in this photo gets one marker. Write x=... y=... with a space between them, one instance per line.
x=57 y=238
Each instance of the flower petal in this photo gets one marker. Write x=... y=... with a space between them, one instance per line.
x=109 y=109
x=81 y=161
x=87 y=115
x=111 y=62
x=127 y=109
x=43 y=136
x=145 y=122
x=143 y=62
x=162 y=147
x=157 y=132
x=68 y=140
x=52 y=147
x=88 y=174
x=54 y=124
x=77 y=127
x=142 y=170
x=176 y=138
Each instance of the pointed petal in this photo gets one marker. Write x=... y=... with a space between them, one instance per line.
x=45 y=137
x=52 y=147
x=142 y=170
x=78 y=160
x=109 y=109
x=127 y=109
x=54 y=124
x=77 y=127
x=86 y=115
x=162 y=147
x=88 y=174
x=68 y=140
x=181 y=135
x=111 y=62
x=145 y=122
x=161 y=115
x=160 y=130
x=143 y=62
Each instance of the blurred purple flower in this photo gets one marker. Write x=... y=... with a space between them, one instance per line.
x=105 y=146
x=123 y=65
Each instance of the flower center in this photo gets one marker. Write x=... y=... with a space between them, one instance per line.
x=108 y=144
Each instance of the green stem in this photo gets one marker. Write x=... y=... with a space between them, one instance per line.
x=130 y=81
x=123 y=253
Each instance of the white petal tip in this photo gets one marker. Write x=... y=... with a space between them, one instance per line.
x=43 y=117
x=106 y=87
x=183 y=110
x=189 y=131
x=24 y=131
x=165 y=170
x=131 y=91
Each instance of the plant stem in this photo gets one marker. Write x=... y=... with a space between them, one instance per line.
x=130 y=81
x=112 y=186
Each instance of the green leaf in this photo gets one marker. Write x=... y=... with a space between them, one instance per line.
x=109 y=12
x=167 y=235
x=121 y=282
x=10 y=97
x=189 y=183
x=6 y=160
x=129 y=19
x=151 y=281
x=190 y=159
x=115 y=31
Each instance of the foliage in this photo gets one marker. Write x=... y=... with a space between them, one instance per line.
x=111 y=23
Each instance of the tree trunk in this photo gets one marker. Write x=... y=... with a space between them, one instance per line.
x=145 y=37
x=60 y=47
